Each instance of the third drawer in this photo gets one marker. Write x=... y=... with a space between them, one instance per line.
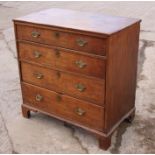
x=89 y=89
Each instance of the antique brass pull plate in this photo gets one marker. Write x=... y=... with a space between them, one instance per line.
x=80 y=111
x=35 y=34
x=81 y=42
x=80 y=87
x=39 y=97
x=80 y=64
x=39 y=75
x=37 y=54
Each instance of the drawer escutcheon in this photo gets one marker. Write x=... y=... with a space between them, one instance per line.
x=56 y=34
x=57 y=53
x=58 y=98
x=58 y=74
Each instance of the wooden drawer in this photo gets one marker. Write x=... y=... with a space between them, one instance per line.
x=62 y=59
x=64 y=106
x=63 y=39
x=88 y=89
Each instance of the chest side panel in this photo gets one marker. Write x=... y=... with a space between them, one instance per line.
x=121 y=74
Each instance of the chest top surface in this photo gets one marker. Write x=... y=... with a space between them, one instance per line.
x=84 y=21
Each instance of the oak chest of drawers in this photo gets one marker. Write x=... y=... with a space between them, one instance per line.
x=79 y=67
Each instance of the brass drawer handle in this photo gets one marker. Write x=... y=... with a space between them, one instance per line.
x=58 y=98
x=35 y=34
x=56 y=34
x=37 y=54
x=39 y=75
x=81 y=42
x=80 y=64
x=80 y=87
x=57 y=53
x=39 y=97
x=80 y=111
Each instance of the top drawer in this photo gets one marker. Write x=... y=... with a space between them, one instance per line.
x=69 y=40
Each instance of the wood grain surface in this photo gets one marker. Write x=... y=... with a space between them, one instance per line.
x=85 y=21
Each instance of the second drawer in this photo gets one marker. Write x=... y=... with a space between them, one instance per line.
x=62 y=59
x=71 y=84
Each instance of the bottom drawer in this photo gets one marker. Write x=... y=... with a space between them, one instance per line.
x=64 y=106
